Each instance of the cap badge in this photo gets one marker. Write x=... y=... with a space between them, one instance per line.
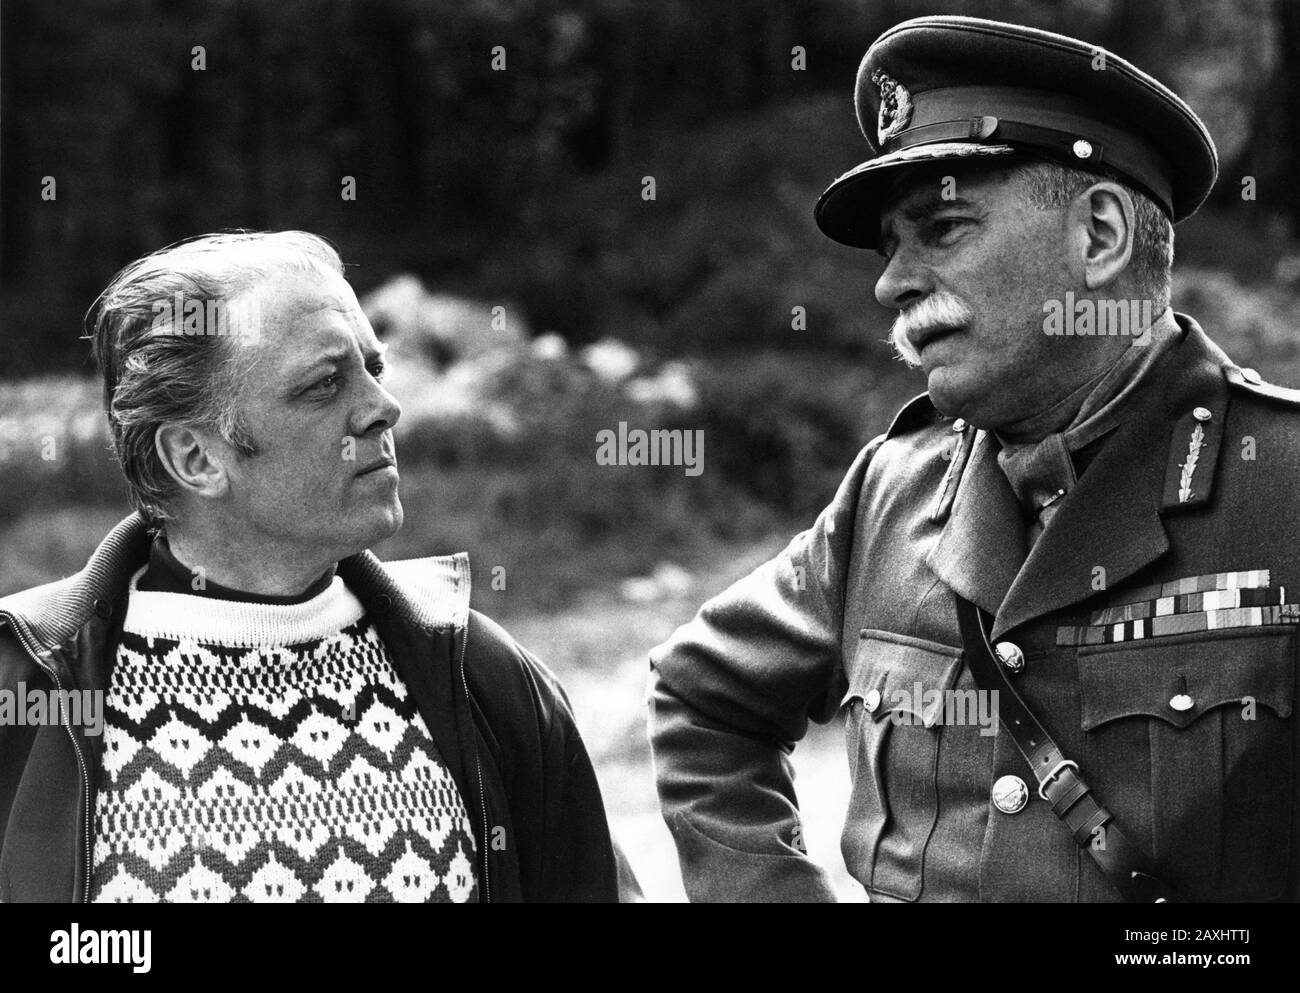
x=895 y=106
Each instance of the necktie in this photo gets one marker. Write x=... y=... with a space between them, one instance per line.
x=1041 y=466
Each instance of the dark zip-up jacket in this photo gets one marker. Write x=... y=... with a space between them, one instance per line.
x=499 y=717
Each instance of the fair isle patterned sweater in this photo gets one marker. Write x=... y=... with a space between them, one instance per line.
x=270 y=753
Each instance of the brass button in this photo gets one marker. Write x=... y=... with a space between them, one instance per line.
x=1181 y=702
x=1202 y=413
x=1082 y=149
x=959 y=425
x=871 y=701
x=1010 y=794
x=1011 y=657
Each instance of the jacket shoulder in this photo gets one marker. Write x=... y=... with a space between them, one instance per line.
x=1251 y=382
x=32 y=600
x=62 y=604
x=508 y=681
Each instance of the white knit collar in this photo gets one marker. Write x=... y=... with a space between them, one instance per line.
x=180 y=616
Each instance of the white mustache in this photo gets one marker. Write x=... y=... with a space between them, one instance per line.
x=938 y=310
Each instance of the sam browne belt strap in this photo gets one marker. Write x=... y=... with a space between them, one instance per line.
x=1059 y=782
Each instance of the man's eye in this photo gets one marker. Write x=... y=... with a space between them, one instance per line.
x=378 y=370
x=946 y=225
x=327 y=383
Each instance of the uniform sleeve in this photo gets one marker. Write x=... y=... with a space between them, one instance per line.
x=730 y=694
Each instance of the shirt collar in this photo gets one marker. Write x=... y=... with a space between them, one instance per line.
x=1038 y=461
x=1093 y=408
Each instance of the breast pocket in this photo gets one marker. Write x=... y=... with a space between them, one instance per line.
x=892 y=713
x=1188 y=740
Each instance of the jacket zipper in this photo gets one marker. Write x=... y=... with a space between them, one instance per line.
x=478 y=769
x=18 y=626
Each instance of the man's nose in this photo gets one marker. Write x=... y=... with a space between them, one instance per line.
x=904 y=281
x=380 y=413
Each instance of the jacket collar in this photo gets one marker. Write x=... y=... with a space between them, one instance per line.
x=420 y=607
x=1110 y=526
x=432 y=593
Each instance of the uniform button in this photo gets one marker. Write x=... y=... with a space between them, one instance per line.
x=1011 y=656
x=1010 y=794
x=1251 y=376
x=959 y=425
x=1082 y=149
x=871 y=701
x=1202 y=413
x=1181 y=702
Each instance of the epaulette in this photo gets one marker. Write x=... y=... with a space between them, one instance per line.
x=917 y=413
x=1198 y=436
x=1249 y=379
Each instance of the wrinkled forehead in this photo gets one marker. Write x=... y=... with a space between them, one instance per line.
x=297 y=303
x=293 y=292
x=306 y=316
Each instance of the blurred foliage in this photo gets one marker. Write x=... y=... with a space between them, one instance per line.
x=525 y=186
x=524 y=492
x=523 y=183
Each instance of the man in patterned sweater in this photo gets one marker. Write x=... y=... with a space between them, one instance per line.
x=287 y=719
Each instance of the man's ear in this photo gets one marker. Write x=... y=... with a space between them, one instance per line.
x=1103 y=218
x=189 y=457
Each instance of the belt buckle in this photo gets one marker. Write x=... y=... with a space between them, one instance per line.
x=1056 y=769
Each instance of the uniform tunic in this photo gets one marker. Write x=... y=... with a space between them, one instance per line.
x=1176 y=704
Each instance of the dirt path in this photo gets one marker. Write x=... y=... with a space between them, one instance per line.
x=598 y=649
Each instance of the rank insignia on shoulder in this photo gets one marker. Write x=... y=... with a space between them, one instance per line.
x=958 y=454
x=1189 y=466
x=1193 y=455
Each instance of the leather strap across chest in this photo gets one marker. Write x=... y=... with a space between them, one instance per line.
x=1059 y=781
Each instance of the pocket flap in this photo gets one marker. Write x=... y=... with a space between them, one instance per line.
x=895 y=673
x=1180 y=679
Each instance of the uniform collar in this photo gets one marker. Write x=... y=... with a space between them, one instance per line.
x=1110 y=526
x=1097 y=406
x=1039 y=456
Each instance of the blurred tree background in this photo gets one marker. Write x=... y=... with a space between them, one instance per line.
x=499 y=152
x=521 y=186
x=526 y=182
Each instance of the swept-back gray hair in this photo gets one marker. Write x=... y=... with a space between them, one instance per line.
x=1049 y=184
x=162 y=365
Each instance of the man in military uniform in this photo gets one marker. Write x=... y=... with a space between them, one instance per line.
x=1098 y=512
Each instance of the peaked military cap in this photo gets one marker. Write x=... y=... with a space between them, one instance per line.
x=934 y=89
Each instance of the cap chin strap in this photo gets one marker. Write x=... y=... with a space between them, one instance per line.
x=1063 y=146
